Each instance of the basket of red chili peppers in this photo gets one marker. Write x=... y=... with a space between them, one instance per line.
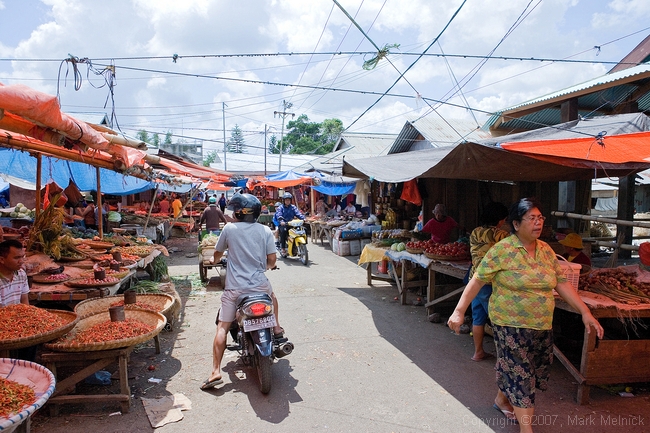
x=24 y=325
x=159 y=302
x=98 y=332
x=24 y=388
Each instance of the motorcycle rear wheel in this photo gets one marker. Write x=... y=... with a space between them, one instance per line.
x=263 y=366
x=304 y=255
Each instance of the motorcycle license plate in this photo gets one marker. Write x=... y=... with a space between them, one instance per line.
x=259 y=323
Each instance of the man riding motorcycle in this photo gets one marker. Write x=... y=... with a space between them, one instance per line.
x=284 y=214
x=251 y=251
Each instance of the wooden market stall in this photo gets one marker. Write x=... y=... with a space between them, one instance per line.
x=468 y=176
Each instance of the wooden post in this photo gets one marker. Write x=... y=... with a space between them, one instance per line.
x=100 y=210
x=39 y=164
x=153 y=200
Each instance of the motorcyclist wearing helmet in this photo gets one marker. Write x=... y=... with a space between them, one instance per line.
x=284 y=214
x=212 y=216
x=251 y=251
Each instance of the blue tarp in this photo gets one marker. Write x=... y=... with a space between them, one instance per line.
x=331 y=188
x=23 y=166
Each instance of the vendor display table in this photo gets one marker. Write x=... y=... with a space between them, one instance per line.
x=89 y=363
x=373 y=253
x=607 y=361
x=61 y=293
x=320 y=230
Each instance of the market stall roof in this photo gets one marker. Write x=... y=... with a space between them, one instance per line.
x=20 y=165
x=398 y=167
x=488 y=160
x=285 y=179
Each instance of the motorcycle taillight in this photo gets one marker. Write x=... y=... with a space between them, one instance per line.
x=258 y=309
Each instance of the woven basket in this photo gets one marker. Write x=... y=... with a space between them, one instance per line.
x=70 y=319
x=446 y=258
x=162 y=301
x=150 y=318
x=124 y=271
x=415 y=250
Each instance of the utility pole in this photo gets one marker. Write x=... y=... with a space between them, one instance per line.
x=283 y=114
x=223 y=111
x=265 y=151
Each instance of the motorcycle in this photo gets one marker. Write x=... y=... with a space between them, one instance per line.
x=252 y=332
x=297 y=241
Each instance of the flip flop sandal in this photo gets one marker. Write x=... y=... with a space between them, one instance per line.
x=508 y=414
x=486 y=356
x=209 y=384
x=279 y=334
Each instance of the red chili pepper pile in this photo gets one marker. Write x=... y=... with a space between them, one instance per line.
x=110 y=331
x=13 y=397
x=137 y=304
x=20 y=321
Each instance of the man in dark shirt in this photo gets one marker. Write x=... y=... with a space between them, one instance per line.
x=212 y=216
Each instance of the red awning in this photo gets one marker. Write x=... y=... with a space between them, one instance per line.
x=588 y=151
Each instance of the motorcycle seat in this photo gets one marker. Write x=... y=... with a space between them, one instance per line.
x=247 y=297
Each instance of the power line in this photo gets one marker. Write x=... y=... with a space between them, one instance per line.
x=362 y=53
x=412 y=64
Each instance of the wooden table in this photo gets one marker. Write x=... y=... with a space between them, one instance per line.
x=320 y=230
x=371 y=254
x=607 y=361
x=446 y=293
x=61 y=293
x=89 y=363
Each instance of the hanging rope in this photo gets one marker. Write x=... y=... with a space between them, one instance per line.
x=371 y=64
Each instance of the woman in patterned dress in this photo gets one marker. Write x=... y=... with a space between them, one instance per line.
x=523 y=272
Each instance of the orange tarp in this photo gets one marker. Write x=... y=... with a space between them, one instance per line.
x=616 y=149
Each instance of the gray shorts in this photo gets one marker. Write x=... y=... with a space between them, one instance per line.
x=229 y=301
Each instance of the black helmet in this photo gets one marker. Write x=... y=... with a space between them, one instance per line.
x=287 y=195
x=245 y=207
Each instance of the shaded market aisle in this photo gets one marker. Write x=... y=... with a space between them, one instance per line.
x=361 y=363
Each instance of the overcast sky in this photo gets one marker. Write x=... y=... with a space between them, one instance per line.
x=186 y=96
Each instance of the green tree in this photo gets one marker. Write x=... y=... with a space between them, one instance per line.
x=236 y=143
x=142 y=135
x=155 y=139
x=331 y=130
x=209 y=158
x=273 y=145
x=168 y=138
x=305 y=137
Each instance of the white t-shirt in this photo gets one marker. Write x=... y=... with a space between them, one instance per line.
x=248 y=244
x=350 y=208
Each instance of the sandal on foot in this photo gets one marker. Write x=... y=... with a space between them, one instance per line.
x=209 y=384
x=279 y=334
x=510 y=415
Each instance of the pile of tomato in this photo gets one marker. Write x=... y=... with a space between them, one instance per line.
x=417 y=245
x=452 y=249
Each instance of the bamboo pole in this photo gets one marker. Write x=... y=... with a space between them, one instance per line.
x=39 y=164
x=15 y=143
x=562 y=214
x=153 y=200
x=100 y=210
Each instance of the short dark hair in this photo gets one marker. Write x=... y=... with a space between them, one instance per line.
x=520 y=207
x=5 y=246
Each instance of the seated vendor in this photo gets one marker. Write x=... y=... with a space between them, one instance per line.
x=573 y=249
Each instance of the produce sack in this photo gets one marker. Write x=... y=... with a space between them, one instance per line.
x=51 y=190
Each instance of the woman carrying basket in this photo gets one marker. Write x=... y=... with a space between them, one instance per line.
x=523 y=272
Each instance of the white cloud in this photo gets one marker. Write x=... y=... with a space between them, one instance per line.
x=149 y=95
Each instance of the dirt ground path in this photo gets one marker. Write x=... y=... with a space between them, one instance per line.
x=362 y=363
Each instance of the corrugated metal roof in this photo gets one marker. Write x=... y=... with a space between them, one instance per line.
x=367 y=144
x=426 y=132
x=642 y=71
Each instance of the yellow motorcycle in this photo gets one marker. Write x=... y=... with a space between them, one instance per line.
x=297 y=241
